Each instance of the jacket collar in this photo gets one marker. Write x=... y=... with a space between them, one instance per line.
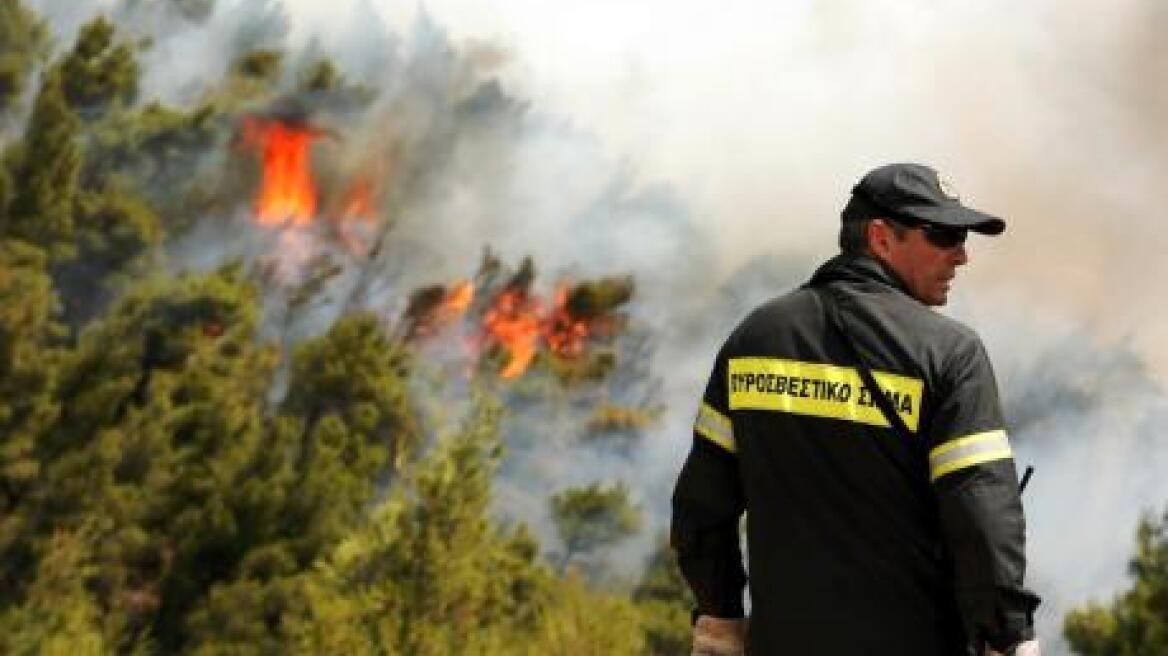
x=857 y=269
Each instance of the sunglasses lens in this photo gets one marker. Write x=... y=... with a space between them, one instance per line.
x=943 y=237
x=939 y=236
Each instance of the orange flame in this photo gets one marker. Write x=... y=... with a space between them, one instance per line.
x=287 y=195
x=514 y=322
x=564 y=333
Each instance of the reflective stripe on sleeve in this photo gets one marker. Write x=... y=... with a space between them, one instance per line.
x=715 y=427
x=968 y=451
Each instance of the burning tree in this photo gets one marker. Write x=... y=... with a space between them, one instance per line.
x=515 y=327
x=432 y=308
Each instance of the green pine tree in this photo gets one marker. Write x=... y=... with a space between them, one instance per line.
x=591 y=517
x=44 y=175
x=1136 y=621
x=24 y=41
x=430 y=574
x=99 y=73
x=343 y=427
x=356 y=374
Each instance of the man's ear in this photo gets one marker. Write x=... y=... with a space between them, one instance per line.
x=879 y=235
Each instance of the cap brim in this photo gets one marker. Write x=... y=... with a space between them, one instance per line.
x=959 y=216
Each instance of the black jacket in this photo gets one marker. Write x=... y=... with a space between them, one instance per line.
x=860 y=541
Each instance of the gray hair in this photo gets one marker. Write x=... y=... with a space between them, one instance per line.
x=853 y=235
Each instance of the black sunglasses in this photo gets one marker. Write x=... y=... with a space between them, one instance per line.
x=940 y=236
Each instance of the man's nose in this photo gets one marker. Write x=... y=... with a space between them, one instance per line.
x=959 y=255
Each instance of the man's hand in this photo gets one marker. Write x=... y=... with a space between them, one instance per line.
x=714 y=636
x=1028 y=648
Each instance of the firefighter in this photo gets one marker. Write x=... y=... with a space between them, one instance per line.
x=862 y=435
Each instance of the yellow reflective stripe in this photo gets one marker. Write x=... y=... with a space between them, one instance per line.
x=820 y=390
x=968 y=451
x=715 y=427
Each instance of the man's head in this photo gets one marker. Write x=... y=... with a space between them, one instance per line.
x=907 y=217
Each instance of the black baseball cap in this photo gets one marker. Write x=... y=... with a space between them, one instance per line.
x=914 y=193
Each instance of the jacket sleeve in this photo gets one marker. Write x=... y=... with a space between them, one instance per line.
x=971 y=466
x=707 y=504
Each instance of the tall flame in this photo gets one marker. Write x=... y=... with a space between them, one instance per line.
x=514 y=322
x=288 y=194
